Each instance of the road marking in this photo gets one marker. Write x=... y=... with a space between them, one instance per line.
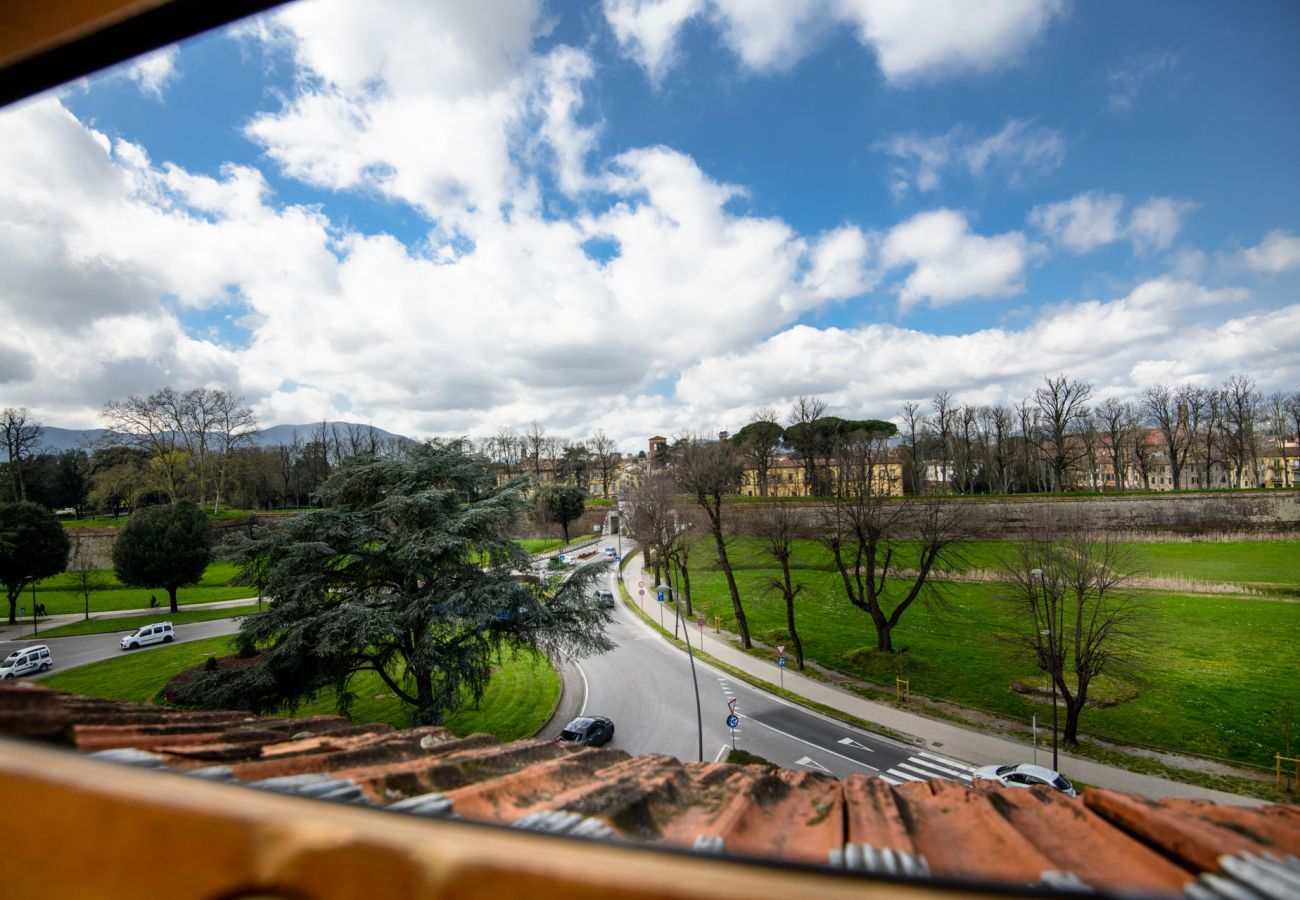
x=586 y=691
x=929 y=768
x=947 y=762
x=905 y=776
x=722 y=752
x=895 y=782
x=849 y=742
x=812 y=764
x=811 y=744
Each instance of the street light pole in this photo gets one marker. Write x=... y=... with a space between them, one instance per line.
x=1049 y=608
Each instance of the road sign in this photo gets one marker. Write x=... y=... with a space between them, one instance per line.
x=780 y=649
x=731 y=704
x=640 y=584
x=781 y=661
x=733 y=720
x=661 y=596
x=700 y=621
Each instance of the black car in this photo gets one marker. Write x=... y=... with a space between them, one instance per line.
x=606 y=599
x=589 y=731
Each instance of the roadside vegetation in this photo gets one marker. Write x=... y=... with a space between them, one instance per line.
x=106 y=624
x=521 y=696
x=62 y=593
x=1220 y=666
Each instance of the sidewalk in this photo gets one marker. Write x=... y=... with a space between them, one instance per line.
x=949 y=739
x=23 y=630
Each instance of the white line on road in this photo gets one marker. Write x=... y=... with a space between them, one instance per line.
x=947 y=762
x=811 y=744
x=926 y=767
x=586 y=691
x=898 y=774
x=725 y=748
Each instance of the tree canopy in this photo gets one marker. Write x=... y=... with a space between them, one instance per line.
x=33 y=545
x=167 y=547
x=408 y=572
x=562 y=504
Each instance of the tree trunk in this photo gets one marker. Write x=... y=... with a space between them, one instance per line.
x=1070 y=734
x=789 y=615
x=884 y=634
x=686 y=587
x=741 y=624
x=171 y=595
x=13 y=605
x=564 y=526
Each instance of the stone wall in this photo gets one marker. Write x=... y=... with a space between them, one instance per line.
x=1271 y=514
x=92 y=548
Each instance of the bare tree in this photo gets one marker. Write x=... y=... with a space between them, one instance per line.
x=1113 y=417
x=234 y=425
x=862 y=527
x=151 y=424
x=1242 y=413
x=1162 y=406
x=1079 y=621
x=941 y=423
x=804 y=414
x=708 y=471
x=1063 y=404
x=20 y=436
x=604 y=454
x=649 y=510
x=914 y=428
x=778 y=526
x=1278 y=423
x=998 y=426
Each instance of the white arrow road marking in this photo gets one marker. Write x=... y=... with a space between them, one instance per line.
x=817 y=747
x=849 y=742
x=812 y=764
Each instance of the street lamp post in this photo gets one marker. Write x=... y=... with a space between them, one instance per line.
x=1050 y=632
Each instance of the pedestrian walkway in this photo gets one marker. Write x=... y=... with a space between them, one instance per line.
x=932 y=736
x=23 y=630
x=926 y=766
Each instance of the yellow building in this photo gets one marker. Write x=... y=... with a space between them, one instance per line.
x=786 y=477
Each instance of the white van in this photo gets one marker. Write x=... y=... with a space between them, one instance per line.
x=26 y=661
x=161 y=633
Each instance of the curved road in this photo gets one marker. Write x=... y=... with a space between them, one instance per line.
x=87 y=648
x=645 y=686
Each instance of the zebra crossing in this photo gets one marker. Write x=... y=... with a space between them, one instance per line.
x=926 y=766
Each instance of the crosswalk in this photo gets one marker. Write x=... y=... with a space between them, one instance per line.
x=926 y=766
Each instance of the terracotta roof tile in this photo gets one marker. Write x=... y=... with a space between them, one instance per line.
x=1008 y=836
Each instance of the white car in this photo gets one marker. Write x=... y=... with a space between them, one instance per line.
x=161 y=633
x=26 y=661
x=1025 y=776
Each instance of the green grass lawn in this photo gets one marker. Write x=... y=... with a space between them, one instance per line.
x=60 y=594
x=98 y=625
x=519 y=699
x=539 y=545
x=225 y=515
x=1219 y=666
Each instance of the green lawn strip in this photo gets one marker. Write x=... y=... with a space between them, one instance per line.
x=539 y=545
x=100 y=625
x=520 y=698
x=138 y=675
x=226 y=515
x=1219 y=666
x=60 y=594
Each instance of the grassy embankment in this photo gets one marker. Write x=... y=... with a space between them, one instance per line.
x=1218 y=666
x=519 y=699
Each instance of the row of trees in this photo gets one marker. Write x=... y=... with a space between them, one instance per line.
x=153 y=454
x=1058 y=439
x=582 y=463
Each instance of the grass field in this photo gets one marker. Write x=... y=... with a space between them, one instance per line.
x=61 y=594
x=102 y=625
x=226 y=515
x=1219 y=666
x=519 y=699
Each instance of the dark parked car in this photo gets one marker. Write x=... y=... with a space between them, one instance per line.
x=589 y=731
x=606 y=599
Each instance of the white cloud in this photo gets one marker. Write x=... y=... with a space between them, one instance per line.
x=154 y=71
x=1278 y=252
x=950 y=263
x=913 y=40
x=1081 y=223
x=1090 y=220
x=1128 y=79
x=1018 y=151
x=1120 y=343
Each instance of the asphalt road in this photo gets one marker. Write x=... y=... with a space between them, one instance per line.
x=645 y=686
x=87 y=648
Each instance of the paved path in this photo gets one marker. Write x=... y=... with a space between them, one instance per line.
x=935 y=739
x=23 y=630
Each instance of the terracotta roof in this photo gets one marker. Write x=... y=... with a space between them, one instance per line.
x=1105 y=840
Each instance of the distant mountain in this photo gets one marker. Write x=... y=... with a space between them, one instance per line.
x=56 y=440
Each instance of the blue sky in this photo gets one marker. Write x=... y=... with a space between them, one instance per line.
x=648 y=216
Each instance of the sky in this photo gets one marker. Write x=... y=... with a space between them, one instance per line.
x=655 y=216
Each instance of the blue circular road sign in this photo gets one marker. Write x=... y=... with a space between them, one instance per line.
x=733 y=720
x=781 y=662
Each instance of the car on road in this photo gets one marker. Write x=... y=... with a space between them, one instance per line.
x=606 y=599
x=1025 y=775
x=159 y=633
x=609 y=551
x=588 y=731
x=36 y=658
